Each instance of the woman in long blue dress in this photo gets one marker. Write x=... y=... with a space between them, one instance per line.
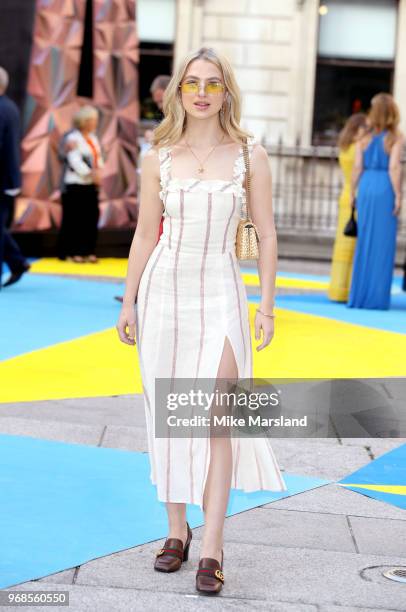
x=377 y=171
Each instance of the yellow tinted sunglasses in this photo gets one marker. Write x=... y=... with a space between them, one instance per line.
x=210 y=88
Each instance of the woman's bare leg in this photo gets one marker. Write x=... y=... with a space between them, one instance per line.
x=218 y=483
x=177 y=521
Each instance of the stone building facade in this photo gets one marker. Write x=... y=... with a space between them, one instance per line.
x=273 y=46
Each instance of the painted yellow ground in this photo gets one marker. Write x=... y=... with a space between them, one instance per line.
x=286 y=282
x=304 y=346
x=117 y=268
x=394 y=489
x=107 y=266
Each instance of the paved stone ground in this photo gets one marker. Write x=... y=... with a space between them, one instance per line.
x=323 y=550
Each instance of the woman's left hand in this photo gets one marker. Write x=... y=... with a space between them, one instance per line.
x=96 y=176
x=267 y=325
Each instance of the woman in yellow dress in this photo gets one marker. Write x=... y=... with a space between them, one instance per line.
x=344 y=246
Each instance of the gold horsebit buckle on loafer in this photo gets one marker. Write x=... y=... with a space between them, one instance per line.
x=219 y=574
x=170 y=551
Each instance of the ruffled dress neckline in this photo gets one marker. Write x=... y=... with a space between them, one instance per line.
x=193 y=184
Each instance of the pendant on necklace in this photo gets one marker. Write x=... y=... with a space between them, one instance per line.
x=200 y=170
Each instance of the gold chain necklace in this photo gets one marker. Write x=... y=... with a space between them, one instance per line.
x=201 y=167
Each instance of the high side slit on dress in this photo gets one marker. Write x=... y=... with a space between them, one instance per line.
x=190 y=298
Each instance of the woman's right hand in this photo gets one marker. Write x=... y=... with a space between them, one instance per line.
x=398 y=205
x=126 y=320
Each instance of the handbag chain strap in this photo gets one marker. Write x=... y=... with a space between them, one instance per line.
x=247 y=178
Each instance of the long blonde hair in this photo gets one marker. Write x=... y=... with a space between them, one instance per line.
x=384 y=115
x=350 y=129
x=171 y=128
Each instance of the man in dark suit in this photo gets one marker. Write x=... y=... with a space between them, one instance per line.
x=10 y=182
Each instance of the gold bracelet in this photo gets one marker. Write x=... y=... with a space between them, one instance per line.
x=272 y=316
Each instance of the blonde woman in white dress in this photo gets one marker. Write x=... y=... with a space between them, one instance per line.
x=191 y=315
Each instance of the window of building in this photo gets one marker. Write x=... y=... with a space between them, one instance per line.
x=356 y=54
x=156 y=21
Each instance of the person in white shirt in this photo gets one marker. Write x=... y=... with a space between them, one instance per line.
x=80 y=193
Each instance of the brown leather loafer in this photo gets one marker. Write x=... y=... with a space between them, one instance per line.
x=209 y=576
x=172 y=555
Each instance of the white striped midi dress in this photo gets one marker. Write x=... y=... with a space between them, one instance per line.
x=190 y=297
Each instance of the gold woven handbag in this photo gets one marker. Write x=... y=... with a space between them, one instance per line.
x=247 y=240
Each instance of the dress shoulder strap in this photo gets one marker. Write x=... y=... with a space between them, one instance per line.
x=165 y=161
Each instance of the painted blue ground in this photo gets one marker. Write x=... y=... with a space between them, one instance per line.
x=389 y=469
x=41 y=310
x=62 y=505
x=393 y=320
